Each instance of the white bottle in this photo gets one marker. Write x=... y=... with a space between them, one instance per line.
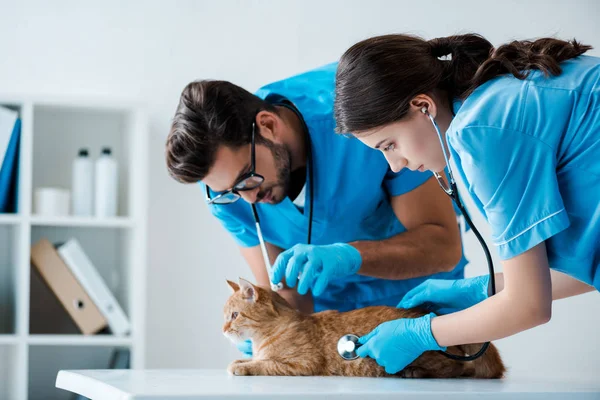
x=106 y=185
x=82 y=184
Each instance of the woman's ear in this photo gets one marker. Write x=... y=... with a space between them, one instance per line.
x=249 y=291
x=423 y=102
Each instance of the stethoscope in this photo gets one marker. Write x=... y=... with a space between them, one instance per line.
x=348 y=344
x=263 y=247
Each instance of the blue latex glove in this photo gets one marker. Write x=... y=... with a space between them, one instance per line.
x=315 y=265
x=395 y=344
x=447 y=296
x=245 y=347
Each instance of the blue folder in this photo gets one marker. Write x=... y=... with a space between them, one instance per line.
x=9 y=173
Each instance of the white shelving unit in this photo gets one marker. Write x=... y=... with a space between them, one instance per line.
x=37 y=337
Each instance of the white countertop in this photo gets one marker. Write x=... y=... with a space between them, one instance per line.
x=217 y=384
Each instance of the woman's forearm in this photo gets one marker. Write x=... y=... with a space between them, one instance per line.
x=492 y=319
x=563 y=285
x=524 y=302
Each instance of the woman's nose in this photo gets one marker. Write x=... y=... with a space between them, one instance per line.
x=396 y=163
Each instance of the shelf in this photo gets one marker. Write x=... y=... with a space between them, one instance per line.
x=74 y=102
x=78 y=340
x=9 y=385
x=37 y=337
x=10 y=260
x=10 y=219
x=45 y=362
x=8 y=339
x=91 y=222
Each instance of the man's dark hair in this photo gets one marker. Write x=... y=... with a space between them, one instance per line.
x=210 y=114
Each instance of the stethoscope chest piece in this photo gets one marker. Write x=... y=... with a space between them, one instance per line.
x=347 y=346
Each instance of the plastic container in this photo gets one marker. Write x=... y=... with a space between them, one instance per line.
x=51 y=202
x=82 y=186
x=106 y=178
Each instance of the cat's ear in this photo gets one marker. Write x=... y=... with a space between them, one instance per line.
x=249 y=291
x=233 y=285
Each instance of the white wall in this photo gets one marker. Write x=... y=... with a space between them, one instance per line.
x=149 y=50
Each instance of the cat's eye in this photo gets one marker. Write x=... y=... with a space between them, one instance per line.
x=234 y=315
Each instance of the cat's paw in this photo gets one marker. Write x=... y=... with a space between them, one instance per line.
x=412 y=372
x=238 y=368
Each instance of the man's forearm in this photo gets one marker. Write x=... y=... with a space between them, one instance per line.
x=421 y=251
x=302 y=303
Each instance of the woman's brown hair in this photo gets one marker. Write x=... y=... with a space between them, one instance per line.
x=377 y=78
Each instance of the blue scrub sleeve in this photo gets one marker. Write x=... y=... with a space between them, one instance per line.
x=243 y=236
x=404 y=181
x=512 y=176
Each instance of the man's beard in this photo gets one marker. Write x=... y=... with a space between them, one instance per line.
x=283 y=161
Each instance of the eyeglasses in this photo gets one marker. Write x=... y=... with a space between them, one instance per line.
x=250 y=180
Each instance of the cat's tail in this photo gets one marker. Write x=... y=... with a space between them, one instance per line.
x=488 y=366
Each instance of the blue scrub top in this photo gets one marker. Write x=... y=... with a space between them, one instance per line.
x=352 y=185
x=529 y=153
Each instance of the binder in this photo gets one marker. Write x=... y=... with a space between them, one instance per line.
x=82 y=268
x=46 y=313
x=8 y=119
x=67 y=289
x=10 y=132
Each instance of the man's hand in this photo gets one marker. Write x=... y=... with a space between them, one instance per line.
x=315 y=266
x=245 y=347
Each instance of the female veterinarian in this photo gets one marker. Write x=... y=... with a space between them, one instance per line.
x=522 y=126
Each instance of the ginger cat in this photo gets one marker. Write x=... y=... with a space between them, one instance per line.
x=287 y=342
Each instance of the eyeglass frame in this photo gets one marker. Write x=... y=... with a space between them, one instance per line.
x=250 y=174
